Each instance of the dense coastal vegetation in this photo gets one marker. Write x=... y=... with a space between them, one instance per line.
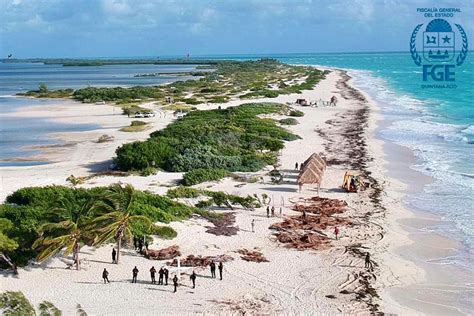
x=38 y=222
x=233 y=139
x=52 y=211
x=229 y=79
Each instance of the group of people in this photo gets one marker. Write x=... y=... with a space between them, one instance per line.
x=163 y=274
x=299 y=167
x=271 y=211
x=140 y=244
x=220 y=266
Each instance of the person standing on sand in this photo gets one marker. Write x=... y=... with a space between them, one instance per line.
x=153 y=273
x=336 y=231
x=268 y=211
x=135 y=242
x=213 y=270
x=161 y=272
x=253 y=225
x=193 y=279
x=221 y=266
x=114 y=255
x=368 y=263
x=135 y=274
x=105 y=276
x=296 y=166
x=140 y=245
x=175 y=283
x=281 y=211
x=166 y=275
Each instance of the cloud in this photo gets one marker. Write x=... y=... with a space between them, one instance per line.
x=211 y=25
x=116 y=7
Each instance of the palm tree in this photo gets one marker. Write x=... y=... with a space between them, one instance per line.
x=67 y=229
x=117 y=219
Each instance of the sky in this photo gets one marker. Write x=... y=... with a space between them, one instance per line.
x=132 y=28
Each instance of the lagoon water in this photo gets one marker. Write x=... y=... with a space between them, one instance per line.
x=436 y=124
x=17 y=134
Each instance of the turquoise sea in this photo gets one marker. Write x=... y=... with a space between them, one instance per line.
x=436 y=124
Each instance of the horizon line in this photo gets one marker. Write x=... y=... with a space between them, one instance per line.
x=176 y=56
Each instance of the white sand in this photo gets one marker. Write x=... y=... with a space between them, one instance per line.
x=295 y=282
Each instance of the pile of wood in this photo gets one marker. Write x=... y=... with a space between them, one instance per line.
x=223 y=226
x=310 y=222
x=322 y=206
x=163 y=254
x=306 y=231
x=200 y=261
x=252 y=255
x=303 y=241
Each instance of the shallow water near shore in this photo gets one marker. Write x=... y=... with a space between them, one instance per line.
x=17 y=135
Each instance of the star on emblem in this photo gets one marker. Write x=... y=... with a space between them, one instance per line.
x=446 y=39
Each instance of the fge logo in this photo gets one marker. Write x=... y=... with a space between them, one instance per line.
x=439 y=50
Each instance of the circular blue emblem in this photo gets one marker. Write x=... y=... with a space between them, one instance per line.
x=438 y=25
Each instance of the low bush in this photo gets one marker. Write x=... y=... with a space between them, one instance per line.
x=296 y=113
x=288 y=121
x=196 y=176
x=234 y=139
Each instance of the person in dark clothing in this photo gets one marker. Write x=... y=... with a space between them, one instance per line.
x=146 y=245
x=114 y=255
x=221 y=267
x=368 y=263
x=161 y=273
x=175 y=283
x=166 y=275
x=135 y=242
x=296 y=166
x=140 y=245
x=213 y=269
x=153 y=273
x=273 y=211
x=135 y=274
x=193 y=279
x=301 y=166
x=268 y=211
x=105 y=276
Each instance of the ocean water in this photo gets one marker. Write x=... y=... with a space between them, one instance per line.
x=17 y=135
x=436 y=124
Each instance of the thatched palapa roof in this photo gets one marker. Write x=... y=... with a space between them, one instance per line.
x=313 y=170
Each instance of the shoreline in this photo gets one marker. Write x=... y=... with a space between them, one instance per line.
x=376 y=150
x=425 y=247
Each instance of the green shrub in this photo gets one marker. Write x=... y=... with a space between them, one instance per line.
x=288 y=121
x=15 y=304
x=196 y=176
x=296 y=113
x=183 y=192
x=137 y=123
x=234 y=139
x=165 y=232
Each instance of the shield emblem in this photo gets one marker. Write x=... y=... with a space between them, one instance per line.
x=438 y=46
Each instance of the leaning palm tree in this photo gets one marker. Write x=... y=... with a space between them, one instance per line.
x=117 y=218
x=66 y=230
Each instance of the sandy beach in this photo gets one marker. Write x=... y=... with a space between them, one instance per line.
x=329 y=281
